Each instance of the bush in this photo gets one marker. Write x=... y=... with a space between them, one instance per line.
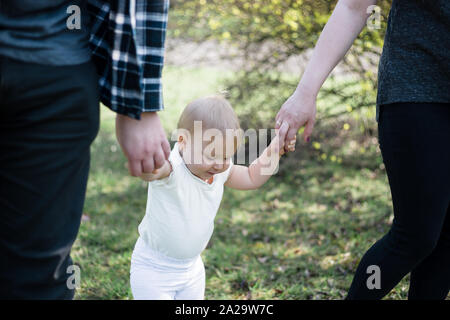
x=270 y=32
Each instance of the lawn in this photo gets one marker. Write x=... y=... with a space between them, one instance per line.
x=300 y=236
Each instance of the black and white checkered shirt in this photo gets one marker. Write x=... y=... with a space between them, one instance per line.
x=127 y=42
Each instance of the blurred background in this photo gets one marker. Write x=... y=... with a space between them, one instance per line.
x=303 y=233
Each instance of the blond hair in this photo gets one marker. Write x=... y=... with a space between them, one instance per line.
x=214 y=112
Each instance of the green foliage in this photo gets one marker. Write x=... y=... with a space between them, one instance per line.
x=270 y=32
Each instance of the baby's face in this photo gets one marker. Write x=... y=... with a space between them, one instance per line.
x=205 y=161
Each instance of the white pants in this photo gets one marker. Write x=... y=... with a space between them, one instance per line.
x=154 y=276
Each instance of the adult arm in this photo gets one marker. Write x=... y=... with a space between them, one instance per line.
x=344 y=25
x=144 y=141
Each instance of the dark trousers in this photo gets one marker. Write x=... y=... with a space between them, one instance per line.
x=49 y=115
x=415 y=144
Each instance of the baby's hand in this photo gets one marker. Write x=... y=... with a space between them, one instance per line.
x=276 y=147
x=154 y=175
x=291 y=146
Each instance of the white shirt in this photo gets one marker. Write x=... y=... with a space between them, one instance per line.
x=179 y=218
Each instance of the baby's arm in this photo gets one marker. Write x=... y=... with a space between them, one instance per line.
x=254 y=176
x=158 y=174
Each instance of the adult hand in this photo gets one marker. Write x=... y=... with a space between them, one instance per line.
x=298 y=111
x=143 y=142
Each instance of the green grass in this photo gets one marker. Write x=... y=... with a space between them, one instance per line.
x=298 y=237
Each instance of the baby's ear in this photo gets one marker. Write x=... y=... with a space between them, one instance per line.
x=179 y=134
x=181 y=142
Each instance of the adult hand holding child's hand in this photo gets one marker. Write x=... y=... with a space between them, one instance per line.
x=298 y=111
x=277 y=145
x=143 y=142
x=154 y=175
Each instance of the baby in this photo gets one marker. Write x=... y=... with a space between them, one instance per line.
x=184 y=196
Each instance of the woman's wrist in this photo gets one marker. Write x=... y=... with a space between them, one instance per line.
x=305 y=90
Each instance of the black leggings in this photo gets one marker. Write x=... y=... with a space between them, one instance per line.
x=415 y=145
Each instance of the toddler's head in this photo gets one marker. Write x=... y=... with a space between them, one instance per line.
x=208 y=136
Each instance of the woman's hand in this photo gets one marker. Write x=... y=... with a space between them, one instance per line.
x=344 y=25
x=298 y=111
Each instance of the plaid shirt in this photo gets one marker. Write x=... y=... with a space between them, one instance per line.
x=127 y=42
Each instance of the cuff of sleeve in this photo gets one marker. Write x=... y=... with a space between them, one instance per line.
x=152 y=102
x=153 y=99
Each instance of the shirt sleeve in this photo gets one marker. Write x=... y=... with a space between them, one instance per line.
x=149 y=25
x=127 y=43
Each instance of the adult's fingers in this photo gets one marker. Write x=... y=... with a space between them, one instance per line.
x=308 y=129
x=159 y=159
x=282 y=133
x=148 y=164
x=166 y=148
x=277 y=120
x=135 y=167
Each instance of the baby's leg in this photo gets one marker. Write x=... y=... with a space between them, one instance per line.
x=148 y=284
x=194 y=289
x=149 y=278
